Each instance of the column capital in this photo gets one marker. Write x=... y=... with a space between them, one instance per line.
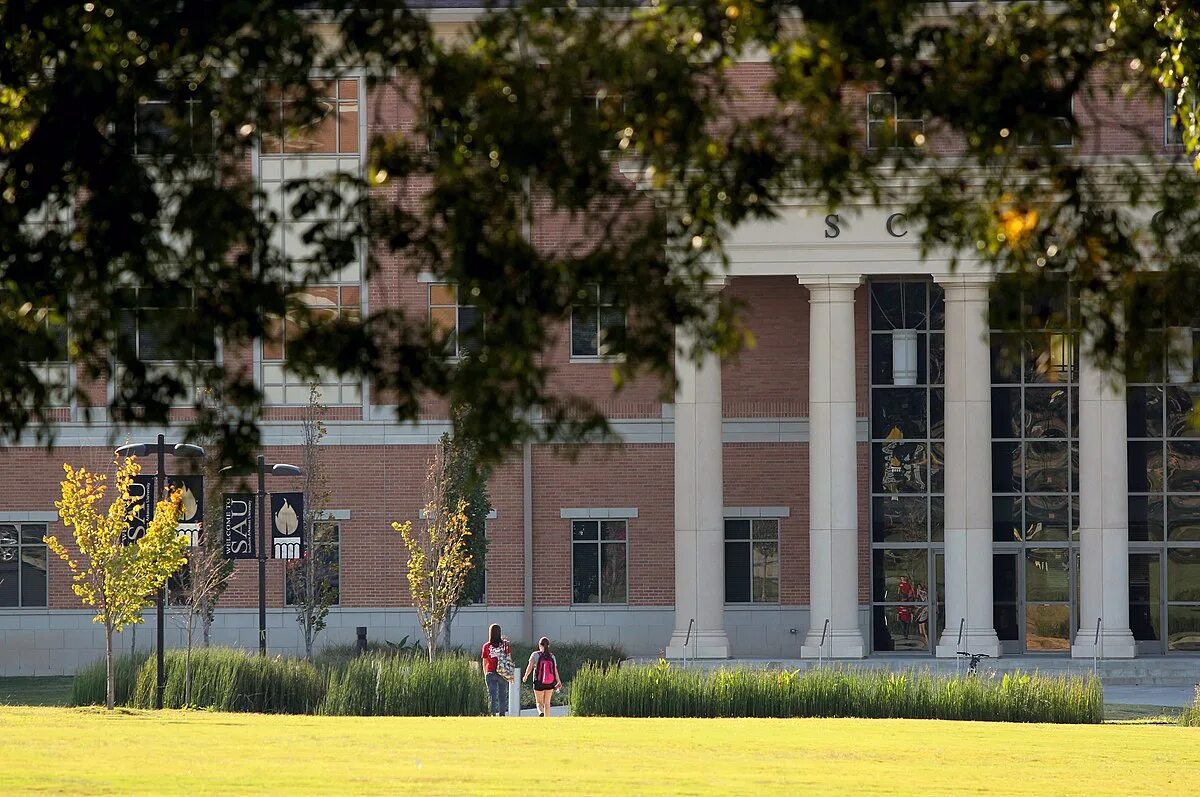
x=964 y=287
x=828 y=287
x=716 y=284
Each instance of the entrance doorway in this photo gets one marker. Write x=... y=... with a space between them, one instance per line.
x=1035 y=598
x=910 y=613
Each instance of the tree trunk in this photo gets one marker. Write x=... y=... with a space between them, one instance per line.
x=205 y=622
x=446 y=637
x=133 y=640
x=110 y=699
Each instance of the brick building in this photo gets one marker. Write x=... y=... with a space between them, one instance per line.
x=871 y=477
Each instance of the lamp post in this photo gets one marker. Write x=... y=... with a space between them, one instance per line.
x=278 y=469
x=161 y=448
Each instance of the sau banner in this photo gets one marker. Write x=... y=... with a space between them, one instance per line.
x=240 y=526
x=287 y=525
x=142 y=493
x=192 y=516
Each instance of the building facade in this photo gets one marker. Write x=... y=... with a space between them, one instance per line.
x=879 y=474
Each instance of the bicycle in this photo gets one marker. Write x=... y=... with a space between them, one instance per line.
x=973 y=664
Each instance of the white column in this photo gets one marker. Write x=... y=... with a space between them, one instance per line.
x=699 y=502
x=968 y=470
x=1103 y=514
x=832 y=470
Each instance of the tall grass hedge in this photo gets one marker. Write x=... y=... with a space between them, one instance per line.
x=89 y=688
x=665 y=691
x=233 y=680
x=406 y=686
x=1191 y=714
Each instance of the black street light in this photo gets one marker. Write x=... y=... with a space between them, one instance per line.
x=161 y=448
x=278 y=469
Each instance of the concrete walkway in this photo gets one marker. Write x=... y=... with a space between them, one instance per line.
x=1173 y=696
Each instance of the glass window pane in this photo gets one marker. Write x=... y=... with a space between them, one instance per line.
x=1180 y=403
x=1144 y=622
x=1145 y=518
x=914 y=300
x=585 y=530
x=937 y=359
x=1144 y=411
x=585 y=573
x=1047 y=627
x=937 y=301
x=1004 y=577
x=443 y=294
x=1144 y=570
x=881 y=359
x=1006 y=519
x=614 y=582
x=1047 y=574
x=1183 y=628
x=1046 y=412
x=937 y=463
x=898 y=468
x=766 y=529
x=1006 y=412
x=1005 y=618
x=33 y=575
x=901 y=628
x=1183 y=574
x=937 y=519
x=1183 y=466
x=1145 y=466
x=585 y=332
x=737 y=529
x=1006 y=467
x=885 y=306
x=900 y=520
x=898 y=574
x=937 y=413
x=765 y=572
x=737 y=572
x=1046 y=467
x=1047 y=518
x=469 y=328
x=33 y=534
x=1006 y=358
x=612 y=327
x=10 y=560
x=898 y=413
x=1183 y=518
x=613 y=530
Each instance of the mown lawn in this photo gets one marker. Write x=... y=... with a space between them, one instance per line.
x=35 y=691
x=136 y=752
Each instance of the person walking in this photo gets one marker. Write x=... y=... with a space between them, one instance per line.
x=497 y=656
x=544 y=669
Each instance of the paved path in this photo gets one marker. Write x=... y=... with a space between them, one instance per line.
x=1177 y=696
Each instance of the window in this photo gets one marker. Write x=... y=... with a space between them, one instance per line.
x=54 y=370
x=280 y=386
x=333 y=131
x=23 y=565
x=599 y=571
x=325 y=550
x=752 y=561
x=458 y=323
x=146 y=322
x=597 y=324
x=1172 y=128
x=156 y=123
x=890 y=125
x=1054 y=131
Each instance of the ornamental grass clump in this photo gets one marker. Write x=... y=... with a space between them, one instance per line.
x=88 y=686
x=1191 y=714
x=665 y=691
x=406 y=686
x=234 y=680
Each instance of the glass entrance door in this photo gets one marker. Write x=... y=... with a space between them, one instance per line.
x=1034 y=592
x=1145 y=601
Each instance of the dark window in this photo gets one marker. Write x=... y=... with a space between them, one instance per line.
x=24 y=561
x=325 y=553
x=597 y=324
x=459 y=324
x=889 y=124
x=599 y=569
x=752 y=561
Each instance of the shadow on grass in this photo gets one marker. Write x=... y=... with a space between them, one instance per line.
x=1132 y=714
x=51 y=690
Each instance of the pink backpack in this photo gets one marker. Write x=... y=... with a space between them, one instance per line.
x=547 y=672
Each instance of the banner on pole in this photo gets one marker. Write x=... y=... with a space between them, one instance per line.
x=240 y=540
x=142 y=493
x=191 y=519
x=287 y=525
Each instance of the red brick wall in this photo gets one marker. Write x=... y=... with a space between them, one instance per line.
x=770 y=379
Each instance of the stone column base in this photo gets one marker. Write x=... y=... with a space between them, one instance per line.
x=839 y=644
x=974 y=640
x=1118 y=644
x=702 y=645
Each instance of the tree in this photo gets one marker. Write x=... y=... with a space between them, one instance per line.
x=308 y=578
x=466 y=486
x=678 y=144
x=197 y=588
x=438 y=555
x=117 y=580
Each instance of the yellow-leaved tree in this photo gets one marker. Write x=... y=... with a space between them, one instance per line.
x=118 y=580
x=439 y=559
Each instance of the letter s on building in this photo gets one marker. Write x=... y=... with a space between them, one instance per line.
x=832 y=221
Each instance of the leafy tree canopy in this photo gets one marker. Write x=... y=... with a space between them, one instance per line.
x=126 y=130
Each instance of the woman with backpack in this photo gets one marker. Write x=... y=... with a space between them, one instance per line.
x=497 y=670
x=544 y=670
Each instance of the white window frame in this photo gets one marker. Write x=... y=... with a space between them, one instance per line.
x=892 y=120
x=603 y=352
x=459 y=351
x=599 y=543
x=18 y=545
x=750 y=541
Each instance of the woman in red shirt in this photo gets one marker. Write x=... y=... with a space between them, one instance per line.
x=494 y=649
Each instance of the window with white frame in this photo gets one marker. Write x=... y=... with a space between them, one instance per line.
x=889 y=125
x=157 y=121
x=145 y=320
x=1057 y=131
x=457 y=323
x=751 y=560
x=597 y=323
x=599 y=561
x=1172 y=128
x=24 y=562
x=325 y=550
x=325 y=303
x=54 y=369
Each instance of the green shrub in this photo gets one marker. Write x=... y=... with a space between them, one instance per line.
x=664 y=691
x=89 y=685
x=234 y=680
x=393 y=685
x=1191 y=714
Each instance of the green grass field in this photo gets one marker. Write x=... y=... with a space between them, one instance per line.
x=135 y=752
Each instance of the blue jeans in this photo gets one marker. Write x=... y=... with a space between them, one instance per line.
x=497 y=693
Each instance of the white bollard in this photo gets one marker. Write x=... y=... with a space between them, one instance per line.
x=514 y=698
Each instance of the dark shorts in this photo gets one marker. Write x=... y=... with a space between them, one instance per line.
x=540 y=687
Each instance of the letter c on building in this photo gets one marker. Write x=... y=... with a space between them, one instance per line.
x=891 y=225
